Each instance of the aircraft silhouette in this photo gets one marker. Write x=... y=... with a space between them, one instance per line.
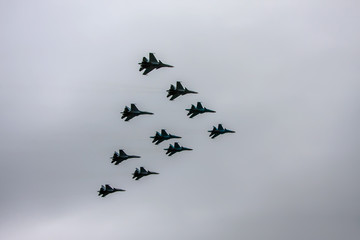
x=160 y=137
x=132 y=112
x=178 y=91
x=151 y=64
x=107 y=189
x=199 y=109
x=122 y=156
x=142 y=172
x=176 y=148
x=217 y=131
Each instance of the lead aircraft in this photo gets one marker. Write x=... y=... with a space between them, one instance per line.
x=151 y=64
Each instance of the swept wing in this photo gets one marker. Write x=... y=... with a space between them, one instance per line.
x=129 y=117
x=148 y=69
x=174 y=96
x=193 y=114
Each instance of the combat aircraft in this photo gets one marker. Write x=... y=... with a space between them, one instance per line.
x=129 y=113
x=217 y=131
x=142 y=172
x=160 y=137
x=107 y=189
x=176 y=148
x=179 y=90
x=122 y=156
x=151 y=64
x=199 y=109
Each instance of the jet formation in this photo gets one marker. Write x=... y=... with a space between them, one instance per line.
x=171 y=150
x=107 y=189
x=151 y=64
x=199 y=109
x=219 y=130
x=177 y=91
x=160 y=137
x=129 y=113
x=121 y=156
x=132 y=112
x=142 y=172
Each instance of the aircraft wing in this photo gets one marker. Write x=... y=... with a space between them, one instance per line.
x=152 y=58
x=129 y=117
x=179 y=86
x=159 y=141
x=148 y=69
x=175 y=95
x=215 y=135
x=172 y=153
x=193 y=115
x=199 y=105
x=220 y=127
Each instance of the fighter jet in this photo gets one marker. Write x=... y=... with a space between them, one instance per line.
x=107 y=189
x=179 y=90
x=220 y=130
x=159 y=137
x=129 y=113
x=176 y=148
x=122 y=156
x=199 y=109
x=151 y=64
x=142 y=172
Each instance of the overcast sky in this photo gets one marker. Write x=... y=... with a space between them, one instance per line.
x=283 y=74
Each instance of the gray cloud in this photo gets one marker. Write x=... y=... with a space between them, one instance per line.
x=283 y=75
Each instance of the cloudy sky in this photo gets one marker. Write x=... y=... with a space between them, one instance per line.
x=283 y=74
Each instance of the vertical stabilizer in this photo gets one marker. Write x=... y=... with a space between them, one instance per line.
x=122 y=153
